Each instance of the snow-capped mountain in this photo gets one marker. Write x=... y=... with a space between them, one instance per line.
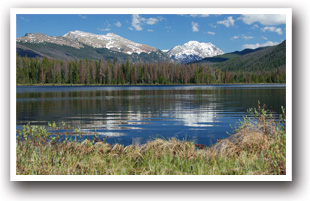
x=78 y=39
x=42 y=38
x=188 y=52
x=79 y=44
x=110 y=41
x=193 y=51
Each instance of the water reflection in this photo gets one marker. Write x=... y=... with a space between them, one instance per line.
x=136 y=114
x=202 y=116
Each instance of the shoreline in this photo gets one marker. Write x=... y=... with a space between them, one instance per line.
x=258 y=147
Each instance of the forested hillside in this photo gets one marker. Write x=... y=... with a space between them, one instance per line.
x=263 y=60
x=82 y=71
x=227 y=56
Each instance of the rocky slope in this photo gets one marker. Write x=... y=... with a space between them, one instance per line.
x=83 y=45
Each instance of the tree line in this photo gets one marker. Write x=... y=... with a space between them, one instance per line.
x=83 y=71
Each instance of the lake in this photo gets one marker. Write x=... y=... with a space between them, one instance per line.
x=136 y=114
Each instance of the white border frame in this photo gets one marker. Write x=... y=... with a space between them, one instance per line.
x=286 y=11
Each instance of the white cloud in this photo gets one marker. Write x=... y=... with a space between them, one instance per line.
x=255 y=26
x=138 y=21
x=118 y=24
x=279 y=31
x=273 y=29
x=150 y=30
x=213 y=26
x=161 y=18
x=257 y=45
x=195 y=26
x=265 y=38
x=104 y=29
x=24 y=19
x=242 y=36
x=229 y=22
x=264 y=19
x=235 y=37
x=247 y=37
x=211 y=33
x=151 y=21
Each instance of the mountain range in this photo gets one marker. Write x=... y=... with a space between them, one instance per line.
x=79 y=44
x=82 y=45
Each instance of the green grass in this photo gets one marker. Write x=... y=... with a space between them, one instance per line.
x=257 y=148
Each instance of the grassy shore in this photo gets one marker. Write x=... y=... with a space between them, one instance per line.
x=258 y=147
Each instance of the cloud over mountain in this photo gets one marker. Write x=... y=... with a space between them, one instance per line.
x=257 y=45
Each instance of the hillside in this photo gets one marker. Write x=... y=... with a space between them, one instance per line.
x=260 y=59
x=227 y=56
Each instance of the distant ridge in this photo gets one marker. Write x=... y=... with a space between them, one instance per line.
x=227 y=56
x=260 y=59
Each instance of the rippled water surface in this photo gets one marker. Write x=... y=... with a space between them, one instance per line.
x=135 y=114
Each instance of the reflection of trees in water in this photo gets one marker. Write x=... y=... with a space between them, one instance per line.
x=115 y=107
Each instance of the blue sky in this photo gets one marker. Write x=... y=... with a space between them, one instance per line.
x=228 y=32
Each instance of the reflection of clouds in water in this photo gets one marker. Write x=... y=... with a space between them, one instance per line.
x=187 y=110
x=185 y=113
x=109 y=134
x=197 y=117
x=112 y=121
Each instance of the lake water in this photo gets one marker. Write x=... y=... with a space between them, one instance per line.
x=136 y=114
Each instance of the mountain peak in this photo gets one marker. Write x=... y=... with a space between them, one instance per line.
x=110 y=41
x=78 y=39
x=43 y=38
x=194 y=42
x=76 y=33
x=28 y=34
x=112 y=34
x=191 y=42
x=193 y=51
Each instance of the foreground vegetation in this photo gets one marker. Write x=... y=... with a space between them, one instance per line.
x=258 y=147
